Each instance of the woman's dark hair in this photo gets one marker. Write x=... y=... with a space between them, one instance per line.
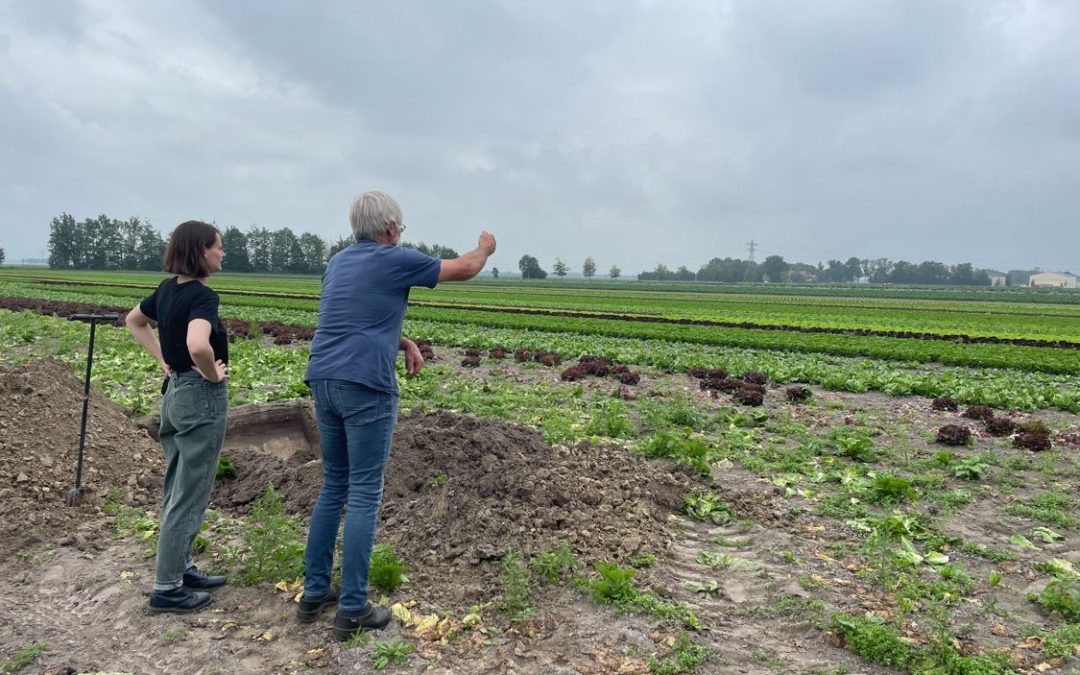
x=188 y=242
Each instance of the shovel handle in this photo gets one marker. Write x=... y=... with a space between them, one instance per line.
x=91 y=318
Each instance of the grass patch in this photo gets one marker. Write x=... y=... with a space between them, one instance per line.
x=614 y=585
x=26 y=656
x=873 y=639
x=1049 y=507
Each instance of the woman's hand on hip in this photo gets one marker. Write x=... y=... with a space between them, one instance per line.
x=221 y=372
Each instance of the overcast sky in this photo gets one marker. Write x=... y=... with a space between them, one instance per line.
x=635 y=132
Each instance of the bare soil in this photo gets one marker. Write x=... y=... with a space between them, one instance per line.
x=459 y=493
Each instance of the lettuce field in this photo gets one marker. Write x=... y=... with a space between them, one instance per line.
x=867 y=479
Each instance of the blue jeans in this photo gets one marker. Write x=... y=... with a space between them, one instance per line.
x=356 y=427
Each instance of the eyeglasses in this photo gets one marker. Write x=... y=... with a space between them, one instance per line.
x=400 y=227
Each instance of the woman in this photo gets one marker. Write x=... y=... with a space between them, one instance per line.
x=352 y=375
x=193 y=353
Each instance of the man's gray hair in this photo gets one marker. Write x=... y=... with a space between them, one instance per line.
x=370 y=214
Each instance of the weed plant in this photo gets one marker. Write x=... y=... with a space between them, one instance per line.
x=887 y=489
x=685 y=657
x=516 y=599
x=386 y=573
x=394 y=652
x=614 y=585
x=272 y=549
x=1061 y=597
x=610 y=420
x=225 y=468
x=552 y=565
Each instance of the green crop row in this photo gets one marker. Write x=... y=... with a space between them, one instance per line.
x=303 y=312
x=296 y=283
x=940 y=318
x=275 y=371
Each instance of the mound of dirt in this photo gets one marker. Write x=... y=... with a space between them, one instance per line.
x=40 y=415
x=461 y=491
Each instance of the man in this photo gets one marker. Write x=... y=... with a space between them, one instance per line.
x=353 y=381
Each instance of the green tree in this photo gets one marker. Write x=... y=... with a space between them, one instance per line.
x=313 y=253
x=835 y=271
x=2 y=255
x=285 y=253
x=904 y=272
x=62 y=231
x=683 y=274
x=853 y=269
x=614 y=272
x=730 y=270
x=932 y=272
x=964 y=273
x=589 y=268
x=773 y=268
x=259 y=245
x=878 y=269
x=433 y=250
x=129 y=235
x=151 y=251
x=560 y=268
x=339 y=245
x=530 y=268
x=235 y=244
x=494 y=272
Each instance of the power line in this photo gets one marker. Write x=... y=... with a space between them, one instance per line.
x=751 y=247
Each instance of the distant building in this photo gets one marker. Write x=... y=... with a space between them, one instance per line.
x=1052 y=280
x=996 y=278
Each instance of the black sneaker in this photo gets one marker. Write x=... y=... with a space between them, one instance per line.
x=309 y=609
x=178 y=601
x=198 y=581
x=373 y=618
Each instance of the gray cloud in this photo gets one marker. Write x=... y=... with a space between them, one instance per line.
x=636 y=133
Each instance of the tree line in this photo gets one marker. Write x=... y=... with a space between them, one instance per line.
x=105 y=243
x=775 y=269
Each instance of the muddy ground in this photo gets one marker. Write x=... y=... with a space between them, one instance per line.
x=459 y=492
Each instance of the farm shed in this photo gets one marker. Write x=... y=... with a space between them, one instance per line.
x=1052 y=280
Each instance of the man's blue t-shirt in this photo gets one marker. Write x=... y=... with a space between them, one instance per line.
x=364 y=294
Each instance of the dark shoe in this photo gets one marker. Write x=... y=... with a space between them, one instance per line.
x=178 y=601
x=373 y=618
x=310 y=608
x=196 y=580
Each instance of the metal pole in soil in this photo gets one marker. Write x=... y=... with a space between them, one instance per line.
x=76 y=492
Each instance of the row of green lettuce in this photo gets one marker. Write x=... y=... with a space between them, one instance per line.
x=303 y=313
x=916 y=293
x=941 y=318
x=263 y=372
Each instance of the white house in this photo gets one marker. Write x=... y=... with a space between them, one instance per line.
x=996 y=278
x=1052 y=280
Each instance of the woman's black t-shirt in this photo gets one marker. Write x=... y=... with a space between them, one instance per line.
x=173 y=305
